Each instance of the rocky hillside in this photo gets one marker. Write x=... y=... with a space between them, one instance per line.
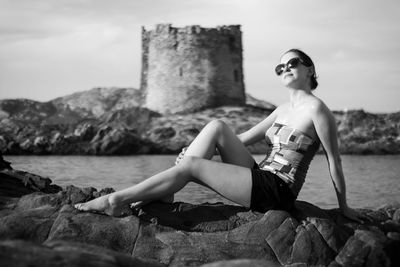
x=110 y=121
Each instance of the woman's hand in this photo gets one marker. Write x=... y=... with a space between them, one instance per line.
x=355 y=216
x=180 y=156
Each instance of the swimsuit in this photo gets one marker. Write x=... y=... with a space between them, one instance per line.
x=278 y=178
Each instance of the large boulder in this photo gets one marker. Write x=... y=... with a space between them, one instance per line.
x=40 y=227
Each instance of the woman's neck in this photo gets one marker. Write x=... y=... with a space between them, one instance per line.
x=297 y=96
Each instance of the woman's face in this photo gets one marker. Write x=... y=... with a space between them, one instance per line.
x=297 y=77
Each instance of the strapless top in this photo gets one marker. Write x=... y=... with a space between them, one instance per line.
x=289 y=154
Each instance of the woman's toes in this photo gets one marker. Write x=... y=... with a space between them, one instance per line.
x=137 y=205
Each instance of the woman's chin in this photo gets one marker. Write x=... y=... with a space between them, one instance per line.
x=288 y=83
x=288 y=79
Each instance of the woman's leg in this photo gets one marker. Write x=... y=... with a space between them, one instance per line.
x=231 y=181
x=217 y=134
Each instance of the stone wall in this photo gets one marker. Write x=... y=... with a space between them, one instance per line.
x=191 y=68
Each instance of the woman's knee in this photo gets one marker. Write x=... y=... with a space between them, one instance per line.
x=188 y=165
x=217 y=126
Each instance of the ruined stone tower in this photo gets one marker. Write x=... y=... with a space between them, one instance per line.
x=191 y=68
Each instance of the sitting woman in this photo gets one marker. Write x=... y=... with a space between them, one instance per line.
x=294 y=130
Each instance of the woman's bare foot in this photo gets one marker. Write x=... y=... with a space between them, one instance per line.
x=104 y=204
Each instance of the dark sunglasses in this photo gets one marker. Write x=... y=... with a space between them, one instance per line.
x=291 y=64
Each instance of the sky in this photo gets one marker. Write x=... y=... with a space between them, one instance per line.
x=50 y=49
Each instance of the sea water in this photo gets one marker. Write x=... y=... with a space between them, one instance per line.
x=372 y=181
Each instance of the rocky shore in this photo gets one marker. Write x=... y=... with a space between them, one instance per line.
x=111 y=121
x=40 y=227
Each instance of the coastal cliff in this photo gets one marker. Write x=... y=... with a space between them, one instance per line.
x=111 y=121
x=40 y=227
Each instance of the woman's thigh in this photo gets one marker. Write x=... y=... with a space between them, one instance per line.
x=232 y=150
x=229 y=146
x=231 y=181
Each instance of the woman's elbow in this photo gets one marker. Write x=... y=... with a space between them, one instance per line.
x=244 y=139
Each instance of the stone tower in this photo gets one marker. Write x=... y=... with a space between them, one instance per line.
x=191 y=68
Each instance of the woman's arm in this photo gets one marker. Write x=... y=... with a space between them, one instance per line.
x=257 y=132
x=325 y=126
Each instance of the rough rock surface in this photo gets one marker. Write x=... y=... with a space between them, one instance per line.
x=111 y=121
x=40 y=227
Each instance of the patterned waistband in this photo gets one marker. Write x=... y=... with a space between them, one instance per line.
x=282 y=176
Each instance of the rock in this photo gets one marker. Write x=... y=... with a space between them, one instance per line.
x=334 y=236
x=281 y=240
x=394 y=236
x=26 y=145
x=84 y=132
x=3 y=141
x=390 y=210
x=256 y=232
x=310 y=248
x=366 y=133
x=112 y=141
x=30 y=225
x=179 y=248
x=118 y=234
x=97 y=102
x=59 y=254
x=188 y=217
x=4 y=165
x=252 y=101
x=204 y=240
x=39 y=226
x=396 y=215
x=391 y=226
x=242 y=263
x=17 y=183
x=135 y=118
x=365 y=248
x=380 y=215
x=69 y=195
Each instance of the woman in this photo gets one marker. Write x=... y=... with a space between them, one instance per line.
x=294 y=130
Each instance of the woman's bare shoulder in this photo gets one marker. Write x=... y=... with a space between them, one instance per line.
x=318 y=108
x=282 y=107
x=316 y=104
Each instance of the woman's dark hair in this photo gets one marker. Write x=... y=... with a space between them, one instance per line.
x=308 y=62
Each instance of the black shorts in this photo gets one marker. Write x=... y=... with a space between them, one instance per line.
x=269 y=192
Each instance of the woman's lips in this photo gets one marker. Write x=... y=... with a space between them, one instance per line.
x=287 y=74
